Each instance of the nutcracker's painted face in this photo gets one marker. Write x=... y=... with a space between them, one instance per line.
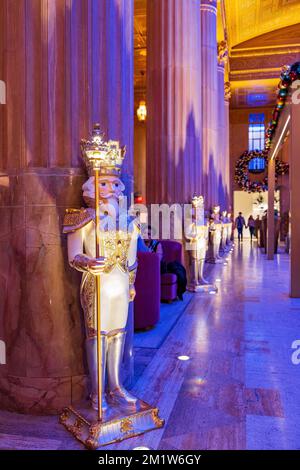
x=110 y=190
x=110 y=187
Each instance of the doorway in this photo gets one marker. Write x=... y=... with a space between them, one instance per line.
x=253 y=203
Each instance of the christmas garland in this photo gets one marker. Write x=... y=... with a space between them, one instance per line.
x=289 y=74
x=242 y=171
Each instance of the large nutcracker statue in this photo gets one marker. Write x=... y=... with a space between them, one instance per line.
x=197 y=234
x=102 y=244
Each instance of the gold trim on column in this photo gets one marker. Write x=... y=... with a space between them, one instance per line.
x=222 y=52
x=227 y=91
x=209 y=9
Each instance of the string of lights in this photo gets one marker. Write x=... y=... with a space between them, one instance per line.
x=289 y=74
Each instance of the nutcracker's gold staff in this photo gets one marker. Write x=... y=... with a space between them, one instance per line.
x=94 y=158
x=98 y=301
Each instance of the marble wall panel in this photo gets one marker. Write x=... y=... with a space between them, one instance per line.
x=58 y=187
x=35 y=396
x=53 y=326
x=13 y=287
x=11 y=189
x=40 y=313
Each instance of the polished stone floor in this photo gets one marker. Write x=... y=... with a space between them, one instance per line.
x=239 y=388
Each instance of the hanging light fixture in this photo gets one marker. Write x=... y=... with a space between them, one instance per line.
x=141 y=112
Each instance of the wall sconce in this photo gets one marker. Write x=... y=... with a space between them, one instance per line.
x=141 y=112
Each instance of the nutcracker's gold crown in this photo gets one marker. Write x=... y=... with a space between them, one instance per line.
x=107 y=157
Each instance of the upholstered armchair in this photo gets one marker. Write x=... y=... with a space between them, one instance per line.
x=172 y=252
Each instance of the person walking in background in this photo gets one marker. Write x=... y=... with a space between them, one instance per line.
x=251 y=226
x=240 y=224
x=257 y=226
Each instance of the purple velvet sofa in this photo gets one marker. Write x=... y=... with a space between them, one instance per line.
x=147 y=286
x=152 y=287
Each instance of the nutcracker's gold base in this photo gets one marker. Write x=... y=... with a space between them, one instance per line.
x=117 y=424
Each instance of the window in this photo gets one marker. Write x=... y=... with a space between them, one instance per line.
x=256 y=133
x=257 y=165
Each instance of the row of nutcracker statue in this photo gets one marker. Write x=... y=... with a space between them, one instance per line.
x=208 y=241
x=106 y=256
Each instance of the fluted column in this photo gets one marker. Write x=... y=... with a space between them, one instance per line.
x=209 y=92
x=69 y=64
x=66 y=64
x=221 y=163
x=111 y=63
x=228 y=177
x=174 y=101
x=222 y=141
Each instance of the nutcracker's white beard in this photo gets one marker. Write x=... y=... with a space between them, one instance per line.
x=109 y=206
x=109 y=198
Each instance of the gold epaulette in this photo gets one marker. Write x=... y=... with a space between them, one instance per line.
x=75 y=219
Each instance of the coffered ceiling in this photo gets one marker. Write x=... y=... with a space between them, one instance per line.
x=247 y=19
x=255 y=66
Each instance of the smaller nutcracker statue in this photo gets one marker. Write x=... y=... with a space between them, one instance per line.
x=215 y=235
x=224 y=220
x=197 y=234
x=229 y=230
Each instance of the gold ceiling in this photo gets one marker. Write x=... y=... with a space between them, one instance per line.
x=247 y=19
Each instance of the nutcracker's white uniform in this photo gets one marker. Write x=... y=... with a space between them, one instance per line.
x=229 y=230
x=114 y=280
x=118 y=248
x=197 y=233
x=224 y=230
x=216 y=232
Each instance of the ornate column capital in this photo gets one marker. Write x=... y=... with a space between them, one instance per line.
x=227 y=91
x=222 y=52
x=209 y=6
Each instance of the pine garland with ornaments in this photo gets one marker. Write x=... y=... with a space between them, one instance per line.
x=242 y=171
x=289 y=74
